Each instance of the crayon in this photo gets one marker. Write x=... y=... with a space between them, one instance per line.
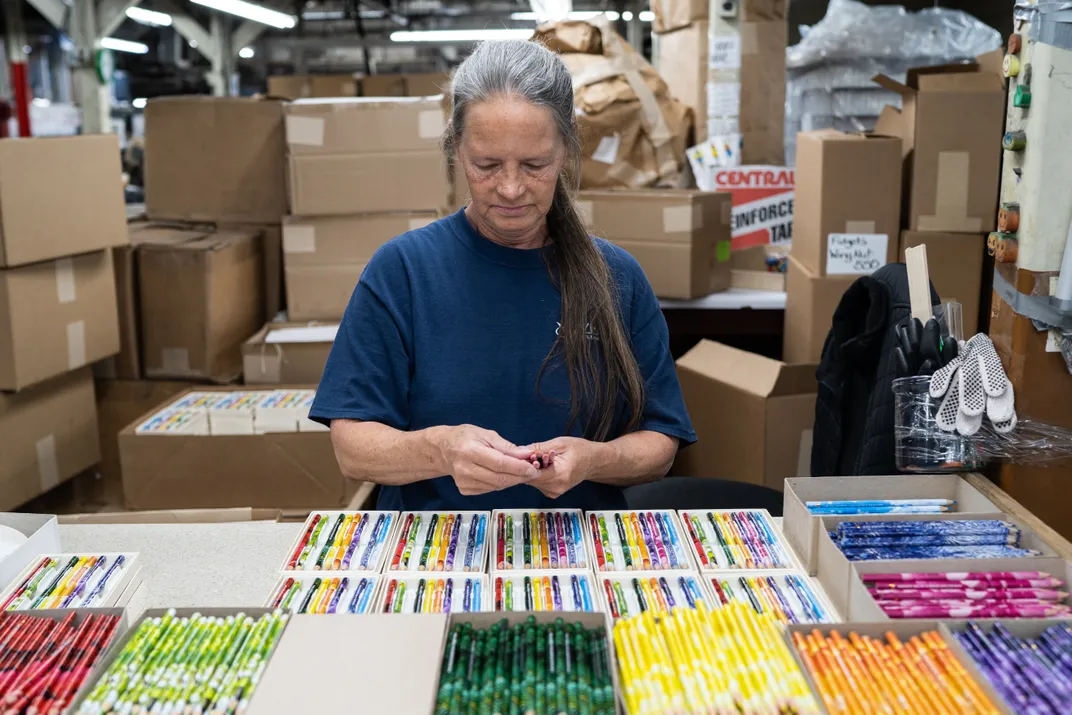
x=332 y=535
x=597 y=544
x=377 y=535
x=500 y=543
x=411 y=541
x=403 y=539
x=508 y=558
x=432 y=542
x=526 y=540
x=422 y=564
x=299 y=550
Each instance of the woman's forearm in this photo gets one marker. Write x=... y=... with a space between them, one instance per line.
x=634 y=458
x=374 y=452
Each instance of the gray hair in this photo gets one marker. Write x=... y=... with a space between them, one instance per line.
x=514 y=68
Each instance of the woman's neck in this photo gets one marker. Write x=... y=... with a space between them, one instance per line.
x=534 y=238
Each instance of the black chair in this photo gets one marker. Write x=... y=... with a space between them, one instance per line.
x=697 y=493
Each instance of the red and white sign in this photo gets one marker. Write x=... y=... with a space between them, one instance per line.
x=762 y=203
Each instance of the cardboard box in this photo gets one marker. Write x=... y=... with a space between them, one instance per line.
x=848 y=202
x=59 y=196
x=201 y=298
x=810 y=303
x=802 y=528
x=366 y=156
x=316 y=85
x=42 y=537
x=271 y=236
x=49 y=432
x=399 y=676
x=56 y=316
x=950 y=116
x=427 y=84
x=174 y=516
x=748 y=269
x=293 y=353
x=682 y=62
x=119 y=402
x=220 y=159
x=761 y=37
x=835 y=572
x=753 y=415
x=383 y=85
x=676 y=14
x=680 y=238
x=862 y=605
x=955 y=262
x=325 y=256
x=277 y=470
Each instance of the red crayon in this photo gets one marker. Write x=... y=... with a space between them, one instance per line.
x=402 y=542
x=390 y=595
x=696 y=541
x=283 y=592
x=719 y=592
x=22 y=587
x=293 y=564
x=611 y=602
x=498 y=591
x=600 y=559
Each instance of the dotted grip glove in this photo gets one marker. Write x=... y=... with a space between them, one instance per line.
x=972 y=383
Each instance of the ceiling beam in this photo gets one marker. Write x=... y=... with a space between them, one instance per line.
x=246 y=34
x=111 y=14
x=52 y=10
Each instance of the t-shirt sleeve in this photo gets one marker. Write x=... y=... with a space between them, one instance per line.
x=367 y=375
x=664 y=406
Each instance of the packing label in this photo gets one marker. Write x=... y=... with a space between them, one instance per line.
x=724 y=52
x=308 y=131
x=76 y=344
x=855 y=254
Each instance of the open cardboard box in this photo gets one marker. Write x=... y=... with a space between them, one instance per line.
x=42 y=537
x=801 y=528
x=835 y=571
x=903 y=630
x=862 y=606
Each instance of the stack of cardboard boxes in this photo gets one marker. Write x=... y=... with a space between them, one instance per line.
x=347 y=85
x=360 y=172
x=61 y=211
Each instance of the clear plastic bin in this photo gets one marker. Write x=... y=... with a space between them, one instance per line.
x=919 y=445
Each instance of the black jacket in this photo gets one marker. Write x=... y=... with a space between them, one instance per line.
x=854 y=408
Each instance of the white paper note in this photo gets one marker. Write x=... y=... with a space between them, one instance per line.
x=724 y=52
x=304 y=334
x=855 y=254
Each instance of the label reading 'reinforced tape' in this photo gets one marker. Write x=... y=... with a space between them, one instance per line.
x=855 y=254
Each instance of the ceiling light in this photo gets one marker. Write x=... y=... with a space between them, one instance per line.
x=245 y=53
x=111 y=43
x=627 y=16
x=251 y=11
x=149 y=17
x=459 y=35
x=139 y=103
x=647 y=16
x=574 y=15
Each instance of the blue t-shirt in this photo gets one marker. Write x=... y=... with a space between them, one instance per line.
x=447 y=328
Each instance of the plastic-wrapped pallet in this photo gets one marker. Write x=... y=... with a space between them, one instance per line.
x=829 y=72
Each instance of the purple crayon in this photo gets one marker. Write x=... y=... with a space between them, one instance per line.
x=334 y=604
x=452 y=548
x=656 y=562
x=354 y=542
x=373 y=540
x=448 y=595
x=552 y=539
x=81 y=587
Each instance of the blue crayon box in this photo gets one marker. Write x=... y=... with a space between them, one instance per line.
x=75 y=580
x=564 y=590
x=736 y=539
x=562 y=530
x=627 y=594
x=326 y=593
x=334 y=541
x=441 y=542
x=649 y=539
x=434 y=593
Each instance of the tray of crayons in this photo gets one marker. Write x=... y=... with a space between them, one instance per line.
x=636 y=541
x=440 y=541
x=342 y=541
x=545 y=539
x=571 y=590
x=328 y=593
x=45 y=678
x=71 y=581
x=446 y=593
x=626 y=595
x=880 y=506
x=733 y=539
x=790 y=596
x=959 y=539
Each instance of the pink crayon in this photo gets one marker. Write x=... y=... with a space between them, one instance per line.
x=964 y=603
x=974 y=612
x=1004 y=583
x=955 y=576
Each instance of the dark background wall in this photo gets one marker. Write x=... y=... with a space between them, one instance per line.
x=996 y=13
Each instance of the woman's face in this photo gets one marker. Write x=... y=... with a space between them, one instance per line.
x=512 y=154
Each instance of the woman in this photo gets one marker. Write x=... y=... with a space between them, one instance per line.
x=502 y=345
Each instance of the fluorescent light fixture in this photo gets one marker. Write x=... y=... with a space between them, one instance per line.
x=574 y=15
x=647 y=16
x=149 y=17
x=459 y=35
x=627 y=16
x=251 y=11
x=245 y=53
x=139 y=103
x=111 y=43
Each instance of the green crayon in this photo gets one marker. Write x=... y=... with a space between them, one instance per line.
x=410 y=541
x=308 y=548
x=330 y=540
x=422 y=564
x=542 y=702
x=509 y=541
x=604 y=536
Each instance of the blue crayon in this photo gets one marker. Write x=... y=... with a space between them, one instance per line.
x=578 y=535
x=881 y=502
x=586 y=596
x=664 y=533
x=849 y=511
x=365 y=597
x=373 y=541
x=357 y=594
x=576 y=589
x=673 y=539
x=476 y=596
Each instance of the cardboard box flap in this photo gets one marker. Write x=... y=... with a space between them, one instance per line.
x=916 y=73
x=796 y=379
x=893 y=85
x=955 y=82
x=891 y=122
x=746 y=371
x=164 y=237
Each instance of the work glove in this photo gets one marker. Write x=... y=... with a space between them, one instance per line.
x=972 y=383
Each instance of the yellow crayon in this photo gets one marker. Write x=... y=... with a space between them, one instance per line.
x=68 y=583
x=545 y=556
x=335 y=552
x=638 y=539
x=444 y=545
x=437 y=535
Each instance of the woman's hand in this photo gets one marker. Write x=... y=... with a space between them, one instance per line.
x=480 y=461
x=567 y=461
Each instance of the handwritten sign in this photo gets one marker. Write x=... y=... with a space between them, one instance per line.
x=724 y=52
x=855 y=254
